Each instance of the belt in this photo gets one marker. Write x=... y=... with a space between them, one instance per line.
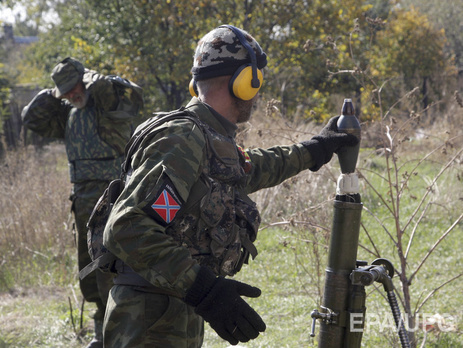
x=127 y=276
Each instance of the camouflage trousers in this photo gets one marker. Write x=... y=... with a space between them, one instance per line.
x=95 y=287
x=136 y=318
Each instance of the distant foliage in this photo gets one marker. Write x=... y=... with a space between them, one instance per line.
x=318 y=54
x=410 y=53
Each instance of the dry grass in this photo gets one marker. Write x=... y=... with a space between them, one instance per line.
x=35 y=225
x=40 y=301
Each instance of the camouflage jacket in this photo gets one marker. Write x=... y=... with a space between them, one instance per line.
x=95 y=136
x=163 y=229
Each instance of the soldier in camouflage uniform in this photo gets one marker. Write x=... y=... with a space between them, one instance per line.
x=184 y=222
x=95 y=115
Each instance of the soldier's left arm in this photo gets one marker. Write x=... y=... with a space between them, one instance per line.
x=274 y=165
x=166 y=166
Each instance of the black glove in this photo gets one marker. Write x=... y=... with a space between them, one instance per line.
x=218 y=301
x=329 y=141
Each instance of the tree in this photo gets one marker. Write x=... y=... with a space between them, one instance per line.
x=411 y=51
x=446 y=15
x=305 y=41
x=309 y=45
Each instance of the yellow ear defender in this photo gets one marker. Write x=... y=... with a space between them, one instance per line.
x=248 y=79
x=241 y=83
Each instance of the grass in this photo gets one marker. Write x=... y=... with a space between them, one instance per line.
x=40 y=317
x=41 y=305
x=285 y=303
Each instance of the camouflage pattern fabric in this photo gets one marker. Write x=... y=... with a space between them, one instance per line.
x=221 y=53
x=172 y=160
x=102 y=258
x=99 y=217
x=219 y=222
x=66 y=74
x=95 y=138
x=137 y=319
x=96 y=135
x=95 y=160
x=95 y=287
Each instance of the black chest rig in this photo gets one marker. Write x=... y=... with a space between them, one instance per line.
x=219 y=222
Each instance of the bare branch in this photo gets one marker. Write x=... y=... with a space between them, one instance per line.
x=382 y=225
x=376 y=253
x=412 y=235
x=444 y=235
x=437 y=289
x=379 y=195
x=436 y=178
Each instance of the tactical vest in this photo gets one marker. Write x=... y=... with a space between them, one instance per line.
x=219 y=222
x=89 y=156
x=96 y=136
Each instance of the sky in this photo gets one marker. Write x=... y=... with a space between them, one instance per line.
x=7 y=14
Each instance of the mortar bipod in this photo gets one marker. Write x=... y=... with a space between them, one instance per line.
x=381 y=271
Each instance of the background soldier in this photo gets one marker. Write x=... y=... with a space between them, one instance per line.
x=184 y=220
x=95 y=115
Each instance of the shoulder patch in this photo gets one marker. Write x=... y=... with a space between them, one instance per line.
x=247 y=160
x=244 y=153
x=166 y=203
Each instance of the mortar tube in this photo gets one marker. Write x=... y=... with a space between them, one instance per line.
x=356 y=318
x=342 y=260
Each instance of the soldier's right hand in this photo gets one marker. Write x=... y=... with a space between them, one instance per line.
x=218 y=300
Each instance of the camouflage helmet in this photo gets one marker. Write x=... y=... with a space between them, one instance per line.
x=66 y=75
x=220 y=52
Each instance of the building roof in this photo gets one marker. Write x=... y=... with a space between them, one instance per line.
x=25 y=39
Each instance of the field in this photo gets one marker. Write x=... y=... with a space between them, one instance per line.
x=411 y=189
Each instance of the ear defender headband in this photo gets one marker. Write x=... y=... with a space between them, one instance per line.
x=247 y=79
